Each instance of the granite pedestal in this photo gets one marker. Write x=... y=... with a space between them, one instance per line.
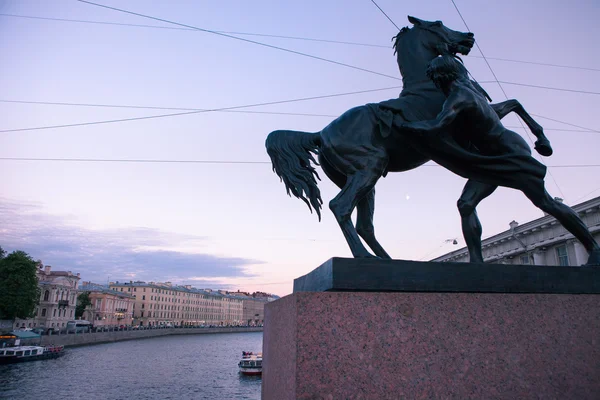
x=380 y=329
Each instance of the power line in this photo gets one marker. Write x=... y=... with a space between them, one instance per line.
x=233 y=111
x=586 y=195
x=541 y=63
x=582 y=128
x=283 y=37
x=454 y=241
x=566 y=123
x=503 y=91
x=159 y=161
x=123 y=160
x=546 y=87
x=196 y=111
x=160 y=108
x=244 y=40
x=557 y=129
x=190 y=29
x=383 y=12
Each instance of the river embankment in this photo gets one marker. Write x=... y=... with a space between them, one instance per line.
x=82 y=339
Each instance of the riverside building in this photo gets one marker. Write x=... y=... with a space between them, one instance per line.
x=542 y=241
x=58 y=298
x=108 y=308
x=157 y=303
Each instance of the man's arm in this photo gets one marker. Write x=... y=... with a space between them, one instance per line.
x=451 y=109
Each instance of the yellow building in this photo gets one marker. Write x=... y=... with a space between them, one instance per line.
x=159 y=303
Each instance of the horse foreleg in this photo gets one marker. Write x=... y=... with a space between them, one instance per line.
x=542 y=145
x=364 y=224
x=357 y=186
x=473 y=193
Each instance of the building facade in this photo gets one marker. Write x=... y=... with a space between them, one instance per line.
x=58 y=300
x=157 y=303
x=108 y=308
x=254 y=311
x=542 y=241
x=253 y=305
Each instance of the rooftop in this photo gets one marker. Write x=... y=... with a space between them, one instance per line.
x=259 y=296
x=94 y=287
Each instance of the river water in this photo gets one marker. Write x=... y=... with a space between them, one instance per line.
x=171 y=367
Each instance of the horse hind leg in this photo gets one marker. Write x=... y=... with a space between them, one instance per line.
x=364 y=209
x=364 y=224
x=357 y=186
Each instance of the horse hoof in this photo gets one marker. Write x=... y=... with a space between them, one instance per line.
x=543 y=147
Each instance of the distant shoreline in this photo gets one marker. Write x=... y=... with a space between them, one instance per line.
x=84 y=339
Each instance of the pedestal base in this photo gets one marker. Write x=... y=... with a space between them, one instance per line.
x=396 y=345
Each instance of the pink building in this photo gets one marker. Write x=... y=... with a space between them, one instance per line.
x=109 y=308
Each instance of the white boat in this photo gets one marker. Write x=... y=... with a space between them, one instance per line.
x=251 y=364
x=10 y=355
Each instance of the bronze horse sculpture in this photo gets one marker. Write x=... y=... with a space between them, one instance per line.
x=359 y=147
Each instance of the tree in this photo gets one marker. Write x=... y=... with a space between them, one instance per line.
x=83 y=300
x=19 y=291
x=2 y=253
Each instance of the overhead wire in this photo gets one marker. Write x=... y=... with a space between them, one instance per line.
x=51 y=103
x=284 y=37
x=198 y=111
x=261 y=104
x=159 y=161
x=243 y=39
x=566 y=123
x=383 y=12
x=546 y=87
x=586 y=195
x=193 y=30
x=139 y=107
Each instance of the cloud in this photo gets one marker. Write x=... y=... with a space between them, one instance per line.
x=123 y=254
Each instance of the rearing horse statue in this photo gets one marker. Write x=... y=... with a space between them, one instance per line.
x=358 y=148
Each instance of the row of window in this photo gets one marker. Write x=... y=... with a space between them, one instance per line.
x=64 y=295
x=173 y=293
x=171 y=300
x=34 y=324
x=156 y=314
x=561 y=255
x=62 y=312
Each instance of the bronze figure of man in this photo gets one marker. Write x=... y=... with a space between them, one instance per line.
x=468 y=138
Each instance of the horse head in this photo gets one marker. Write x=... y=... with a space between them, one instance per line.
x=443 y=39
x=417 y=46
x=435 y=36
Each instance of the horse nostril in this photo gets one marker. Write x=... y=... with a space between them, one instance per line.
x=470 y=34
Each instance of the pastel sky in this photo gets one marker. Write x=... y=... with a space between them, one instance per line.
x=232 y=225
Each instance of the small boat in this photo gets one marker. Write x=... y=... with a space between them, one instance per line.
x=251 y=364
x=10 y=355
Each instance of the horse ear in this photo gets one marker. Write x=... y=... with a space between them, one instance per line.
x=414 y=20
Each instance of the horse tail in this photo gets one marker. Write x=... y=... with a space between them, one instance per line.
x=291 y=153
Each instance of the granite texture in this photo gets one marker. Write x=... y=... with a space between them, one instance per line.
x=279 y=373
x=354 y=274
x=339 y=345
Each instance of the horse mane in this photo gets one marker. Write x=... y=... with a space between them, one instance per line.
x=396 y=38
